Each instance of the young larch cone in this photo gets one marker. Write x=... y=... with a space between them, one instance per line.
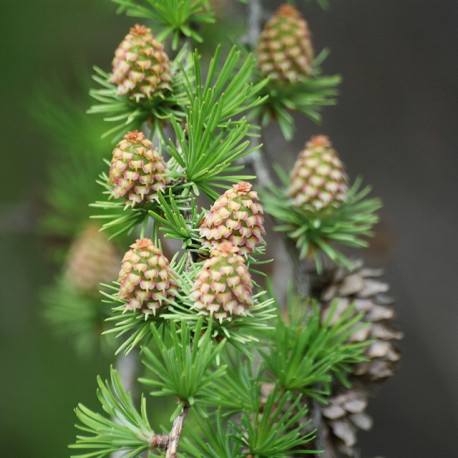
x=235 y=216
x=141 y=68
x=318 y=180
x=147 y=282
x=223 y=287
x=92 y=259
x=362 y=287
x=285 y=51
x=137 y=171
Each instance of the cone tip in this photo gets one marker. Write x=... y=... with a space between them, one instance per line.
x=320 y=140
x=288 y=10
x=142 y=244
x=138 y=29
x=134 y=136
x=243 y=186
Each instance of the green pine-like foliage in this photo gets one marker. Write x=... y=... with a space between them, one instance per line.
x=249 y=384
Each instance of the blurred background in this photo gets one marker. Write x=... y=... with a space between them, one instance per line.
x=395 y=124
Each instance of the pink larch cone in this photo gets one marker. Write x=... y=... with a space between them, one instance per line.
x=141 y=68
x=223 y=287
x=147 y=282
x=236 y=216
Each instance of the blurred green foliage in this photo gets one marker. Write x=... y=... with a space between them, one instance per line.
x=42 y=379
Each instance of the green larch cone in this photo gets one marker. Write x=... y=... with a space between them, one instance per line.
x=147 y=282
x=318 y=180
x=141 y=68
x=138 y=171
x=223 y=287
x=362 y=287
x=236 y=216
x=92 y=259
x=284 y=51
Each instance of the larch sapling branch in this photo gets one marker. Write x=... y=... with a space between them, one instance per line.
x=175 y=433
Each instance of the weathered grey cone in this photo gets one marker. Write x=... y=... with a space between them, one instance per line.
x=339 y=421
x=345 y=413
x=362 y=287
x=343 y=416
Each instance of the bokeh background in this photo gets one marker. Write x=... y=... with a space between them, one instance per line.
x=395 y=124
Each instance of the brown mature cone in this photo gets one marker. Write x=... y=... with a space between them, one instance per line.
x=343 y=416
x=361 y=286
x=285 y=52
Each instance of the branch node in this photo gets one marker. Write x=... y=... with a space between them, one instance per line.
x=159 y=441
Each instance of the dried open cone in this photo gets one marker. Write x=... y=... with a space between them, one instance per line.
x=362 y=287
x=344 y=415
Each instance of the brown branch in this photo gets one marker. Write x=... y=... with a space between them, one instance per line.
x=169 y=442
x=301 y=274
x=160 y=441
x=175 y=433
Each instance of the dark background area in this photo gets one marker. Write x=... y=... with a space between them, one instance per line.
x=395 y=124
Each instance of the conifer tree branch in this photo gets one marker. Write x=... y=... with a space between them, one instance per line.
x=160 y=441
x=254 y=22
x=301 y=277
x=204 y=298
x=175 y=433
x=257 y=158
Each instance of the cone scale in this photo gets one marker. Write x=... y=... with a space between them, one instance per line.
x=362 y=287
